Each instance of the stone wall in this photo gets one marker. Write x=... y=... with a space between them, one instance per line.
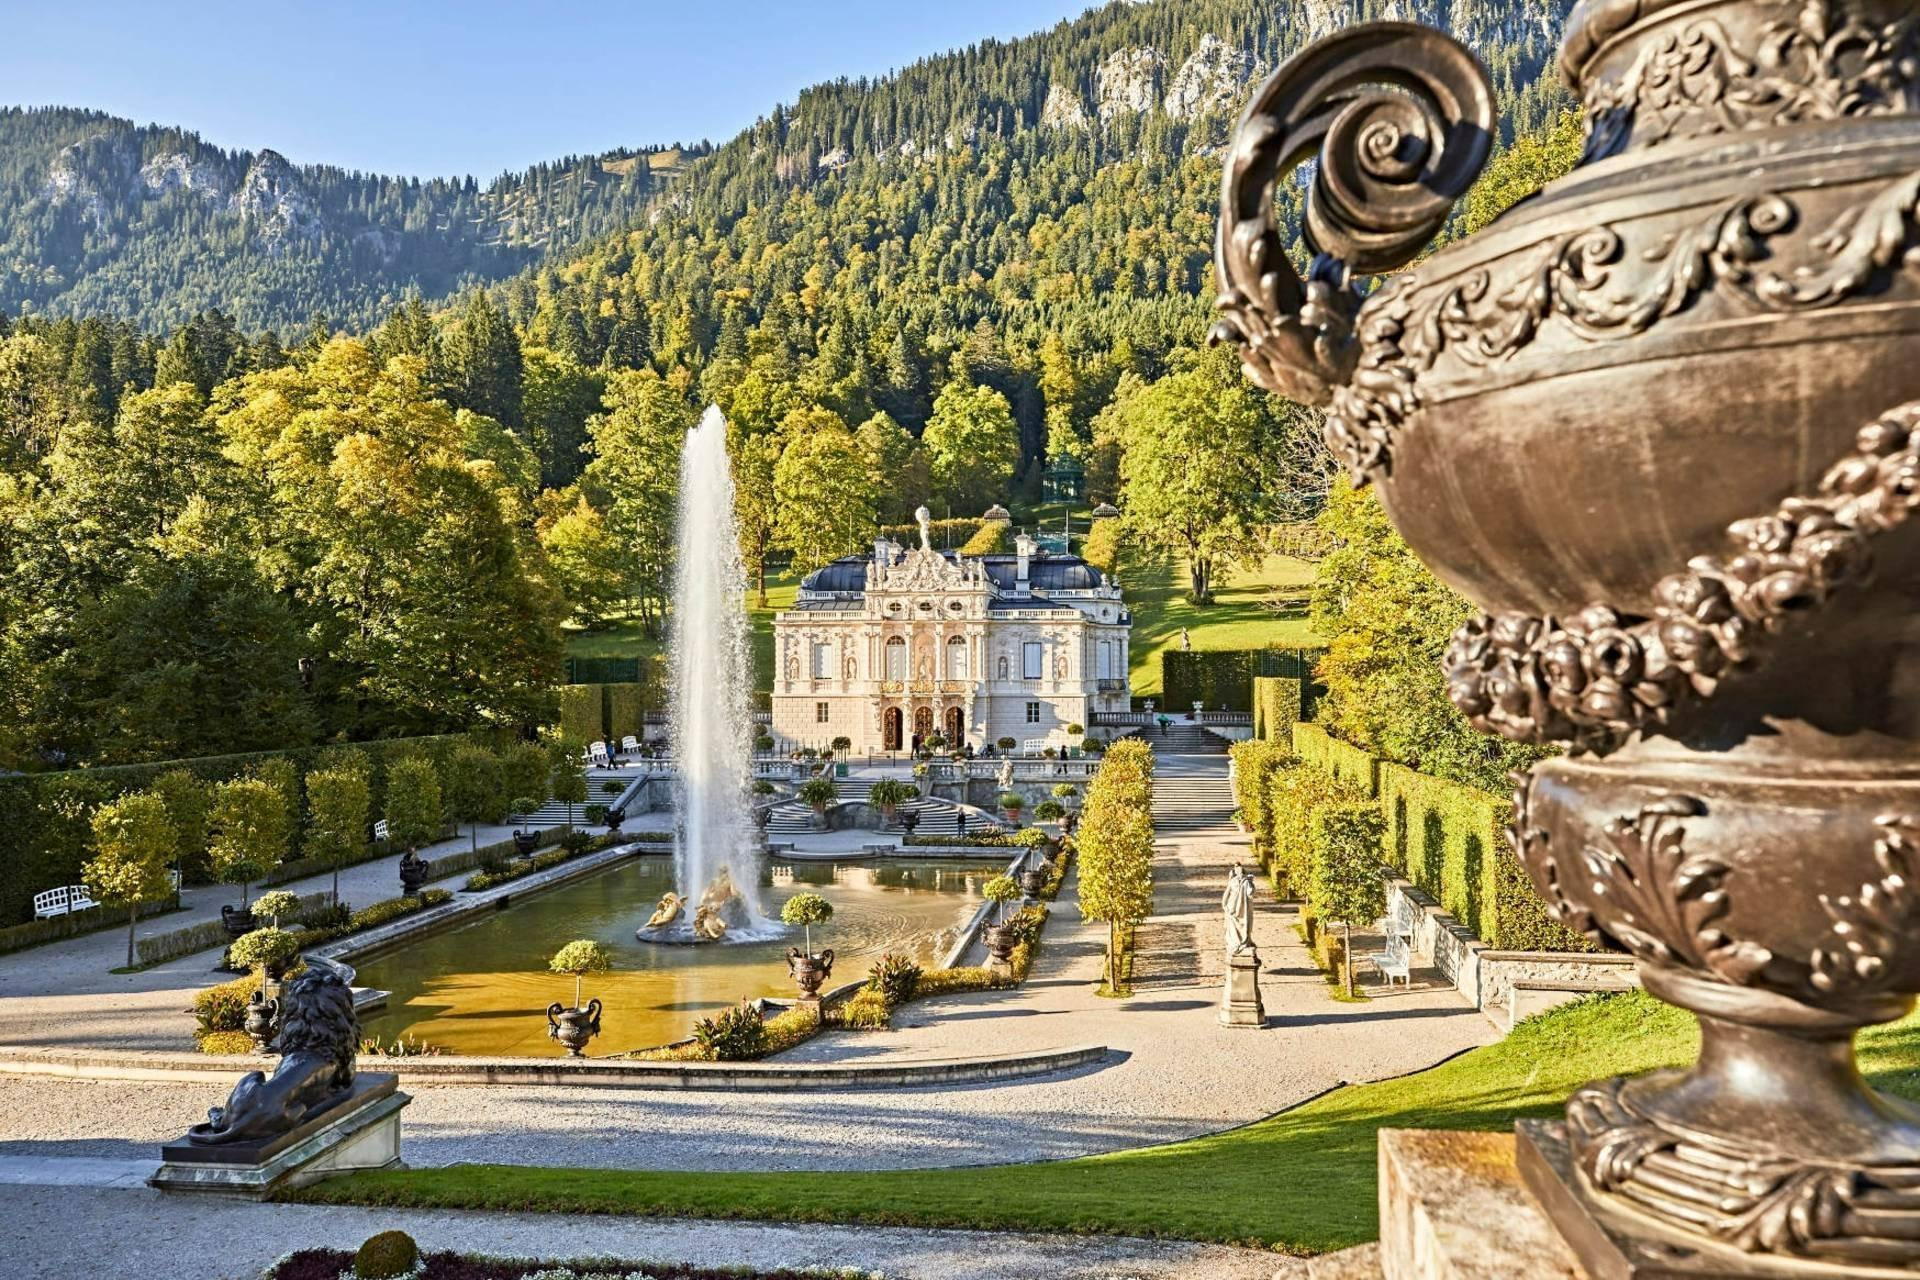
x=1485 y=976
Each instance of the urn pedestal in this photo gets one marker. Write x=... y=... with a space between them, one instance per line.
x=1660 y=423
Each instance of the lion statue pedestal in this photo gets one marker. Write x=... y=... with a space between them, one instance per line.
x=312 y=1118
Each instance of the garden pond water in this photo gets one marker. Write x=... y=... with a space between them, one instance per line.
x=483 y=987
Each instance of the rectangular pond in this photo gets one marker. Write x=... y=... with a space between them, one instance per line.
x=483 y=987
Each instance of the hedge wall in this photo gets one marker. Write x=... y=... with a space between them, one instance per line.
x=583 y=712
x=626 y=710
x=47 y=816
x=1296 y=794
x=1215 y=677
x=1277 y=707
x=1254 y=764
x=1344 y=880
x=1315 y=746
x=1451 y=841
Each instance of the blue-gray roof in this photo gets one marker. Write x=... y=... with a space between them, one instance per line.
x=1044 y=573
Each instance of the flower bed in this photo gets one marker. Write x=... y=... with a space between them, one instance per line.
x=1025 y=838
x=332 y=1264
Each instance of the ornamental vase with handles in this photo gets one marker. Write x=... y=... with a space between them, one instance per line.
x=1661 y=422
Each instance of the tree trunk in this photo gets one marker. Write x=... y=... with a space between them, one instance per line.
x=1113 y=959
x=1346 y=955
x=133 y=918
x=336 y=881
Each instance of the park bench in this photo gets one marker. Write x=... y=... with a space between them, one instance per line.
x=1395 y=962
x=63 y=900
x=597 y=754
x=381 y=831
x=629 y=744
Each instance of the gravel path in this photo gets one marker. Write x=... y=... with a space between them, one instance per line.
x=1175 y=1073
x=56 y=1233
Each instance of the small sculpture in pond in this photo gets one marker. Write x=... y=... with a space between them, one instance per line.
x=318 y=1039
x=671 y=905
x=708 y=925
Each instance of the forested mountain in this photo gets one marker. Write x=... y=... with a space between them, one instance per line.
x=919 y=289
x=152 y=224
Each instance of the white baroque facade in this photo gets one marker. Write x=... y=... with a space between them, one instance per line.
x=890 y=647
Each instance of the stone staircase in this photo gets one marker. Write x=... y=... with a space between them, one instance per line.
x=1189 y=798
x=1182 y=738
x=554 y=813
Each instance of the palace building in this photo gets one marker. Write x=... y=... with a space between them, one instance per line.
x=891 y=647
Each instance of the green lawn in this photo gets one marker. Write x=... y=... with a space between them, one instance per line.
x=1238 y=618
x=1301 y=1182
x=624 y=638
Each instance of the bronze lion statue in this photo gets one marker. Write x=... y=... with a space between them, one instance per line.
x=319 y=1036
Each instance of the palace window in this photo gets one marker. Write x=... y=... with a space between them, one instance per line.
x=957 y=658
x=1106 y=660
x=822 y=662
x=1032 y=660
x=1033 y=713
x=822 y=712
x=896 y=658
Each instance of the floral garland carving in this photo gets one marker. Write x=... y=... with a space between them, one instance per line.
x=1816 y=64
x=1402 y=331
x=1757 y=1201
x=1593 y=680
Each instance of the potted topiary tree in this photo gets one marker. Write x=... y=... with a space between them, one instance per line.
x=251 y=828
x=274 y=904
x=1011 y=804
x=819 y=793
x=575 y=1026
x=998 y=936
x=1049 y=811
x=1006 y=744
x=809 y=969
x=889 y=794
x=525 y=838
x=267 y=951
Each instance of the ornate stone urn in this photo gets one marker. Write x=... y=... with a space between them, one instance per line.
x=1000 y=940
x=262 y=1022
x=573 y=1027
x=809 y=971
x=413 y=873
x=1660 y=423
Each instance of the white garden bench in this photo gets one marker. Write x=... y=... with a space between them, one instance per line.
x=381 y=831
x=597 y=754
x=1395 y=962
x=629 y=744
x=62 y=901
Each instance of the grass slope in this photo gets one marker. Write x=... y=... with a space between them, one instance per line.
x=1301 y=1182
x=1238 y=618
x=624 y=638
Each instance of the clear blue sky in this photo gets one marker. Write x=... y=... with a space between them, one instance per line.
x=468 y=86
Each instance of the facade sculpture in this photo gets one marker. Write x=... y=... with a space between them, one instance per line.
x=1659 y=423
x=893 y=647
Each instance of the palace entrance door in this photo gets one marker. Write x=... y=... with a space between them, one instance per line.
x=956 y=729
x=890 y=734
x=922 y=725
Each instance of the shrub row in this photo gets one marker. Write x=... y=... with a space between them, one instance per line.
x=46 y=816
x=1356 y=768
x=1451 y=841
x=1225 y=677
x=1277 y=707
x=208 y=934
x=572 y=847
x=383 y=912
x=19 y=937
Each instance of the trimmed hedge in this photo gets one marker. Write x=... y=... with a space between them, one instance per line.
x=1254 y=764
x=47 y=815
x=1224 y=677
x=1296 y=793
x=583 y=715
x=1451 y=841
x=35 y=932
x=1358 y=770
x=208 y=934
x=626 y=711
x=1277 y=707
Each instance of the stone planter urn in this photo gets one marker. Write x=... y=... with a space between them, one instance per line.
x=1033 y=880
x=809 y=971
x=1657 y=422
x=413 y=874
x=573 y=1027
x=238 y=920
x=262 y=1022
x=1000 y=942
x=525 y=843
